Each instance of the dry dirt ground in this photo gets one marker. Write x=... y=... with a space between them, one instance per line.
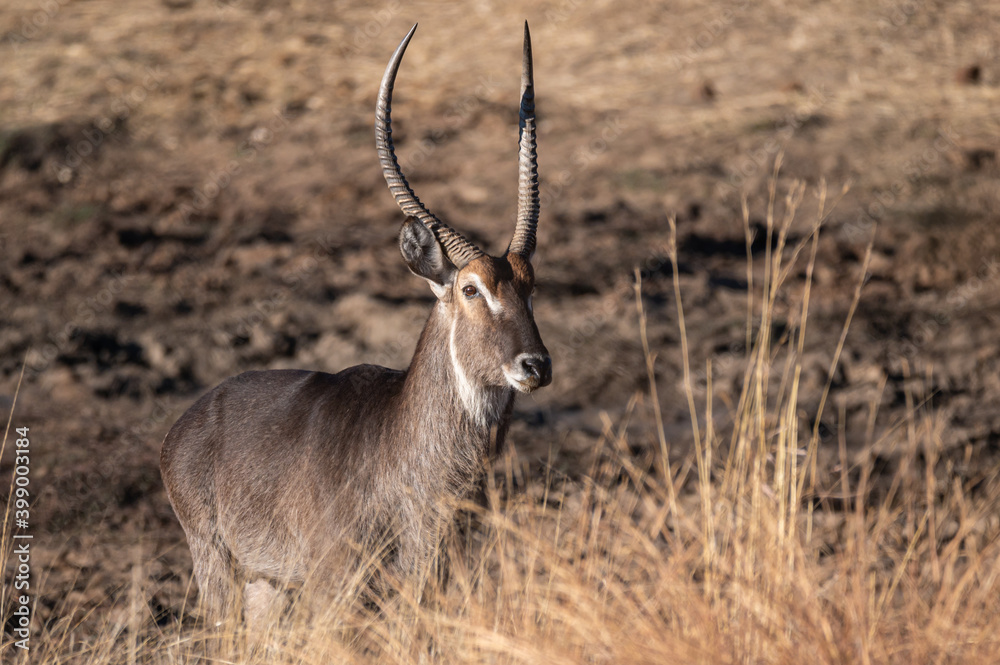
x=189 y=189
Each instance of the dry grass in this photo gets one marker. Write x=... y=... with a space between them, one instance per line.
x=749 y=550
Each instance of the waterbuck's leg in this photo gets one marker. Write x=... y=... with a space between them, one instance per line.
x=214 y=571
x=419 y=551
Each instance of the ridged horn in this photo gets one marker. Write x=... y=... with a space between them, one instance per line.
x=523 y=242
x=457 y=248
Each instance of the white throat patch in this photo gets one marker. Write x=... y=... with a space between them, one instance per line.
x=484 y=405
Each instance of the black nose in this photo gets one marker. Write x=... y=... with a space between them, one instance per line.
x=540 y=367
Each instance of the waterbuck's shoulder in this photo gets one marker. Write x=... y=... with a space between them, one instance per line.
x=258 y=409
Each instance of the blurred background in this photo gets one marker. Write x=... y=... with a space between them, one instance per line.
x=189 y=189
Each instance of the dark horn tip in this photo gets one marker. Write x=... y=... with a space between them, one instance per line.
x=526 y=65
x=409 y=34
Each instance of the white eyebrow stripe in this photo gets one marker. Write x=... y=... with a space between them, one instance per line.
x=491 y=300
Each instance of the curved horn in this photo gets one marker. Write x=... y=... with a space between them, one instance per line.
x=523 y=242
x=457 y=248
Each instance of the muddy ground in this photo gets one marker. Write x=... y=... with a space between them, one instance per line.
x=189 y=189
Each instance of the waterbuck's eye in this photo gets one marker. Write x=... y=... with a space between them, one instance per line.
x=470 y=291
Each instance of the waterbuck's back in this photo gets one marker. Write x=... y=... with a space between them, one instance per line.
x=273 y=466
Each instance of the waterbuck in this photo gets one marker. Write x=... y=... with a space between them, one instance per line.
x=281 y=475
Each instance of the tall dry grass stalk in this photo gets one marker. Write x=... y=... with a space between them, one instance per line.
x=765 y=554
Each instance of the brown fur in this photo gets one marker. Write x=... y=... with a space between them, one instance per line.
x=295 y=476
x=286 y=474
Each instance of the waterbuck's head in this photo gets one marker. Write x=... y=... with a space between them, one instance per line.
x=486 y=299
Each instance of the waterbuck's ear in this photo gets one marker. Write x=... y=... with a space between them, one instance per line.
x=425 y=257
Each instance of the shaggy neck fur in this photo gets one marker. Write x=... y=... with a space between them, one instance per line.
x=454 y=411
